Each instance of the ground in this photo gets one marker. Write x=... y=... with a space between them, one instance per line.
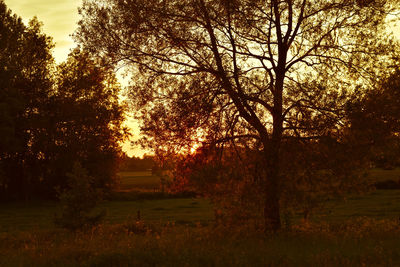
x=360 y=230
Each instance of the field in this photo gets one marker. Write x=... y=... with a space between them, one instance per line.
x=142 y=181
x=361 y=230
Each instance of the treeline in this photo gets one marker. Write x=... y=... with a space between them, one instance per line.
x=53 y=116
x=147 y=163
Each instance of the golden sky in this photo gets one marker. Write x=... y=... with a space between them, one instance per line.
x=59 y=19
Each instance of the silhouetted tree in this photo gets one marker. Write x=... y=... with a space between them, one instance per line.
x=136 y=164
x=374 y=121
x=85 y=123
x=25 y=83
x=217 y=71
x=51 y=117
x=79 y=201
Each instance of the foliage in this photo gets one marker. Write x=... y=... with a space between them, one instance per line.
x=232 y=179
x=325 y=169
x=136 y=163
x=26 y=66
x=79 y=202
x=374 y=119
x=252 y=72
x=85 y=122
x=52 y=116
x=228 y=180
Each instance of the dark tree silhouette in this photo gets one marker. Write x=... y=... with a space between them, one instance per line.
x=216 y=71
x=51 y=117
x=374 y=121
x=85 y=123
x=137 y=164
x=25 y=82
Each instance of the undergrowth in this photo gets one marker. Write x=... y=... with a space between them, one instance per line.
x=358 y=242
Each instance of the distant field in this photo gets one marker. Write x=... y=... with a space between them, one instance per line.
x=380 y=175
x=380 y=204
x=142 y=181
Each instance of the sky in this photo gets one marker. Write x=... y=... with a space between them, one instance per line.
x=59 y=19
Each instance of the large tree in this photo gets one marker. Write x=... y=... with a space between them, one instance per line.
x=52 y=116
x=215 y=70
x=374 y=120
x=85 y=120
x=26 y=66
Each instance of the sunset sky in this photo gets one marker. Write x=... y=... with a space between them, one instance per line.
x=58 y=16
x=60 y=20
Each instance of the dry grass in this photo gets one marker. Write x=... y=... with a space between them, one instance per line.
x=363 y=242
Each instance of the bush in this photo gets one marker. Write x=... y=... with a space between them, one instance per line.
x=79 y=201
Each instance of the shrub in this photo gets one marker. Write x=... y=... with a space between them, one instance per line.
x=79 y=201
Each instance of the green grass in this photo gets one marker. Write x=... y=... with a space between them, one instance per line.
x=36 y=216
x=363 y=230
x=163 y=210
x=138 y=181
x=380 y=175
x=349 y=245
x=379 y=204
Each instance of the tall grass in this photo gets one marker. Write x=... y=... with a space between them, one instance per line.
x=360 y=231
x=353 y=243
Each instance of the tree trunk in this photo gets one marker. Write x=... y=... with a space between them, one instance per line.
x=272 y=220
x=272 y=155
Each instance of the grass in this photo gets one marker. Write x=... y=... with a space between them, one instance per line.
x=351 y=245
x=379 y=204
x=39 y=215
x=166 y=210
x=363 y=230
x=381 y=175
x=139 y=181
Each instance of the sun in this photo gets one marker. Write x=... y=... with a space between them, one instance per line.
x=194 y=148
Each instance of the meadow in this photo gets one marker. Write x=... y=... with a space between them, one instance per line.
x=360 y=230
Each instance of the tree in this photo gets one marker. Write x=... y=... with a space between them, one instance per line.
x=53 y=116
x=213 y=71
x=26 y=66
x=374 y=120
x=79 y=202
x=84 y=123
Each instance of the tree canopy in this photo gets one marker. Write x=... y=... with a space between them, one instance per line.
x=374 y=120
x=52 y=116
x=260 y=71
x=26 y=66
